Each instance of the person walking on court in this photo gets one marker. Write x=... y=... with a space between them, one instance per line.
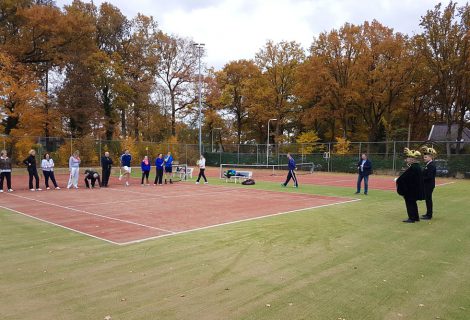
x=159 y=168
x=30 y=163
x=202 y=168
x=47 y=166
x=364 y=168
x=291 y=174
x=5 y=170
x=410 y=185
x=126 y=159
x=168 y=167
x=93 y=176
x=74 y=169
x=429 y=179
x=145 y=166
x=106 y=165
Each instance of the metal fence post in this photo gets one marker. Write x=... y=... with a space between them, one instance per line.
x=394 y=166
x=238 y=154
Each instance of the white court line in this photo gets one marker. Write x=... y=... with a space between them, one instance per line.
x=236 y=221
x=59 y=225
x=151 y=195
x=91 y=213
x=444 y=184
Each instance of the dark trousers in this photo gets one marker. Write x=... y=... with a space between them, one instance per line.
x=366 y=183
x=106 y=174
x=33 y=172
x=47 y=175
x=93 y=181
x=428 y=198
x=6 y=175
x=412 y=209
x=291 y=175
x=145 y=174
x=201 y=174
x=159 y=176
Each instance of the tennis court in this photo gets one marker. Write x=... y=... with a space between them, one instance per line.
x=124 y=215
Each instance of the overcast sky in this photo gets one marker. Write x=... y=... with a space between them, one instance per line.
x=237 y=29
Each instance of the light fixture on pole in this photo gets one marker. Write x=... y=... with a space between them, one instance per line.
x=212 y=140
x=200 y=48
x=267 y=143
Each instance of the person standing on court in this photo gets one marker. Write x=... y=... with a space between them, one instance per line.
x=74 y=169
x=106 y=165
x=364 y=169
x=429 y=178
x=47 y=166
x=168 y=167
x=202 y=168
x=410 y=185
x=30 y=163
x=5 y=170
x=159 y=167
x=126 y=159
x=291 y=174
x=145 y=166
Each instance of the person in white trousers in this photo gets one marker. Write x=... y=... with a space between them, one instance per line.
x=74 y=167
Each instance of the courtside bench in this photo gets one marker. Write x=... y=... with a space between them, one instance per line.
x=241 y=175
x=185 y=175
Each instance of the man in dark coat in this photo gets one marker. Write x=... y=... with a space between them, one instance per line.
x=429 y=178
x=106 y=164
x=364 y=169
x=410 y=185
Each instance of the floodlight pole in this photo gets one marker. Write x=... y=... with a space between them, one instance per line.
x=267 y=144
x=212 y=140
x=199 y=47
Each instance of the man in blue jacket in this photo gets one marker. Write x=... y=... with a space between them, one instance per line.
x=364 y=168
x=126 y=159
x=168 y=167
x=291 y=173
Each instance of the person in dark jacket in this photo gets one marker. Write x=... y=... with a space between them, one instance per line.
x=93 y=176
x=5 y=170
x=291 y=174
x=410 y=185
x=145 y=166
x=159 y=167
x=106 y=165
x=30 y=163
x=364 y=169
x=429 y=179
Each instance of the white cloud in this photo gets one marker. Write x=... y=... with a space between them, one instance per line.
x=237 y=29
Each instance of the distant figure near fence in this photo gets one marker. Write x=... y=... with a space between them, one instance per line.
x=5 y=170
x=364 y=168
x=291 y=173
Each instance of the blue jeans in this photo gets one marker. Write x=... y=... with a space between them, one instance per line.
x=366 y=183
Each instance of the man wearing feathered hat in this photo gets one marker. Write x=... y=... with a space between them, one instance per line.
x=410 y=185
x=429 y=178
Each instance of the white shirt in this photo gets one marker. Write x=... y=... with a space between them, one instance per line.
x=47 y=165
x=202 y=163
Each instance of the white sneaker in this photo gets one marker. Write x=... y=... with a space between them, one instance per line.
x=57 y=188
x=10 y=190
x=120 y=178
x=197 y=182
x=1 y=190
x=32 y=189
x=127 y=184
x=38 y=189
x=48 y=188
x=206 y=182
x=75 y=187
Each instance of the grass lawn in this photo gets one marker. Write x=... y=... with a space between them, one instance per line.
x=350 y=261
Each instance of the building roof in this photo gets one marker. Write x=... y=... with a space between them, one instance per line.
x=438 y=133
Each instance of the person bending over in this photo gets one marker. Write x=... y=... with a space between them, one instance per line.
x=92 y=176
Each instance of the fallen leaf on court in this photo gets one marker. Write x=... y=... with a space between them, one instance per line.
x=123 y=299
x=291 y=304
x=107 y=318
x=227 y=288
x=400 y=315
x=268 y=305
x=462 y=308
x=182 y=296
x=421 y=305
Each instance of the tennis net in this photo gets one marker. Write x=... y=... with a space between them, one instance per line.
x=262 y=170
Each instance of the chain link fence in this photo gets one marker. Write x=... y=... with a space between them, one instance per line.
x=386 y=157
